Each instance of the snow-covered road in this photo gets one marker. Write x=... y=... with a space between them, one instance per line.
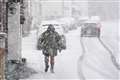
x=66 y=63
x=97 y=63
x=91 y=62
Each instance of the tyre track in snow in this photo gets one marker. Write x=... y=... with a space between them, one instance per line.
x=81 y=71
x=82 y=77
x=111 y=54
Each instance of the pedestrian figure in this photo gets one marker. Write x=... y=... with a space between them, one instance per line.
x=49 y=43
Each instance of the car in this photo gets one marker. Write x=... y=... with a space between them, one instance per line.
x=90 y=29
x=68 y=23
x=44 y=25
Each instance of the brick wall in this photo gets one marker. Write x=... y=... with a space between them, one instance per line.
x=2 y=63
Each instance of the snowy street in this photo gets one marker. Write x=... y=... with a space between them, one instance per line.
x=66 y=63
x=84 y=59
x=96 y=60
x=59 y=39
x=97 y=63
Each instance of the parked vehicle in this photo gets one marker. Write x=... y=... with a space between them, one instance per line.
x=68 y=23
x=90 y=29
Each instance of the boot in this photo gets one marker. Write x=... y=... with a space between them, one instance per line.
x=46 y=63
x=52 y=71
x=46 y=68
x=52 y=68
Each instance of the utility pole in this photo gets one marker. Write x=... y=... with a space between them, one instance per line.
x=14 y=30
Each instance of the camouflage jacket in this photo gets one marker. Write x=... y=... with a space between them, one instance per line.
x=49 y=40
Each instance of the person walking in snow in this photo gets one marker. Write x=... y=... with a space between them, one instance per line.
x=50 y=43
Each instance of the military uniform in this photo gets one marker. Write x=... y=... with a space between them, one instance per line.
x=50 y=43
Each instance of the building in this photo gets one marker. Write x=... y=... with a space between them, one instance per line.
x=3 y=40
x=67 y=8
x=3 y=16
x=79 y=8
x=51 y=9
x=25 y=16
x=106 y=9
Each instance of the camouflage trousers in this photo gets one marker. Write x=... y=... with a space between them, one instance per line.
x=49 y=59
